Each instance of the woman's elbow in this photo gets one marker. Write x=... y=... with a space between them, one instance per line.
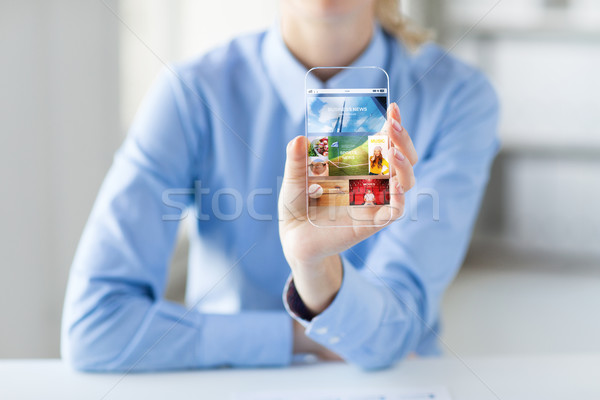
x=80 y=355
x=87 y=351
x=95 y=341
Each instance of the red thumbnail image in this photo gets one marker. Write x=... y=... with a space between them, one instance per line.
x=369 y=192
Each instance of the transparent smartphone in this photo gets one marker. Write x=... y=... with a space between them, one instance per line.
x=347 y=172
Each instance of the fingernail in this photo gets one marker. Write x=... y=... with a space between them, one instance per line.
x=399 y=188
x=398 y=154
x=396 y=125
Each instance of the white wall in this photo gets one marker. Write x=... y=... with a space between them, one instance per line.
x=59 y=126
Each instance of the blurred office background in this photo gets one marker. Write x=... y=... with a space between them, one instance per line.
x=74 y=72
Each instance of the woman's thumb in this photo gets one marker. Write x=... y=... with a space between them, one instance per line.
x=296 y=164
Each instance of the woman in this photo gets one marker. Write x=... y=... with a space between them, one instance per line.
x=377 y=163
x=204 y=138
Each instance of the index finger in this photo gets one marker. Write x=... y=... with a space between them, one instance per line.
x=399 y=135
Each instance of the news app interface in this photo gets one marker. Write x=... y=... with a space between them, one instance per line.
x=348 y=154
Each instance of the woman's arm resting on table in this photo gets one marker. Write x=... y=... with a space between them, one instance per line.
x=115 y=317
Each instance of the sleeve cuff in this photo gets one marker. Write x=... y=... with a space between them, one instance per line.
x=353 y=316
x=248 y=339
x=294 y=304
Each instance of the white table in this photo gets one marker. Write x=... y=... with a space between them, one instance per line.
x=572 y=377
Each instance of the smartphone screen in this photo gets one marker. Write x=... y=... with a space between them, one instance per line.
x=348 y=172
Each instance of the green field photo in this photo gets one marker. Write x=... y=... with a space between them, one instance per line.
x=348 y=155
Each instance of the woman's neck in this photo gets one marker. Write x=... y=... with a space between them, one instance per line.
x=326 y=42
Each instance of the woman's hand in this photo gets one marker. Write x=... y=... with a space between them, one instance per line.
x=313 y=252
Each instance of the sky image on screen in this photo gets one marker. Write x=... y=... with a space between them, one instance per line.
x=345 y=114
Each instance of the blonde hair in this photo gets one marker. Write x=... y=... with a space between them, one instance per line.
x=392 y=20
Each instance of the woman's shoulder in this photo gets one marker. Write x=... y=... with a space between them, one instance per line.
x=431 y=68
x=434 y=88
x=435 y=60
x=228 y=57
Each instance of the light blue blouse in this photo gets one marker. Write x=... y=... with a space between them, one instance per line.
x=211 y=135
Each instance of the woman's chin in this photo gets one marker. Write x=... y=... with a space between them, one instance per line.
x=330 y=8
